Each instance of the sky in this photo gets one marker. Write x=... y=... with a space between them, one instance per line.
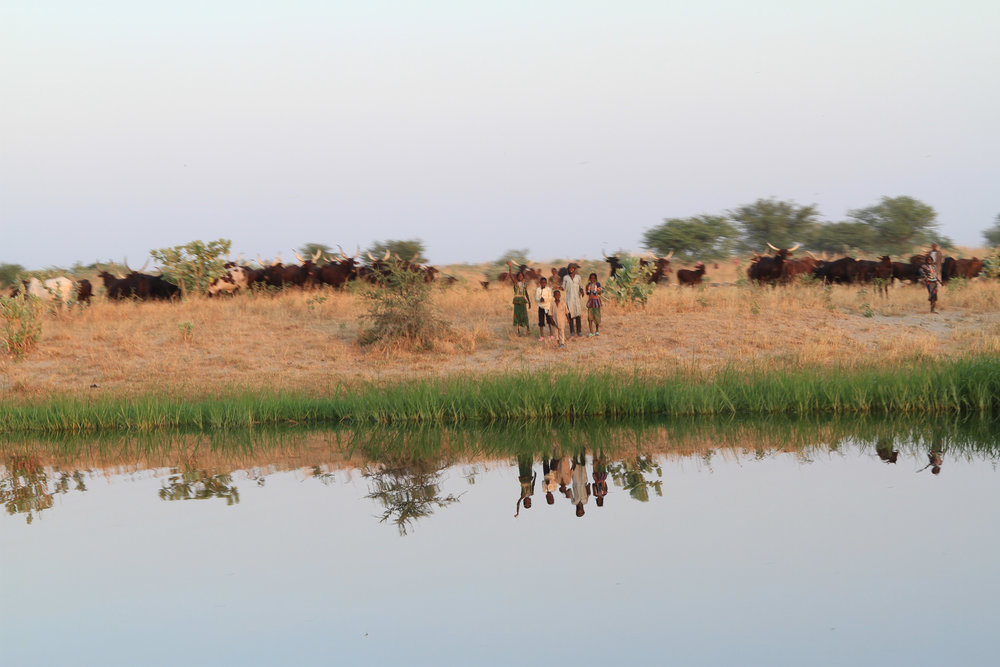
x=563 y=127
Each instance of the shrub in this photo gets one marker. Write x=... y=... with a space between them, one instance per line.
x=193 y=266
x=400 y=311
x=630 y=286
x=21 y=324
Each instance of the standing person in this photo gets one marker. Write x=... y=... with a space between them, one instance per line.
x=543 y=297
x=931 y=278
x=521 y=304
x=574 y=297
x=593 y=291
x=559 y=317
x=937 y=257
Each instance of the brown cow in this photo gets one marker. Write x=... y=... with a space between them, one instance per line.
x=691 y=278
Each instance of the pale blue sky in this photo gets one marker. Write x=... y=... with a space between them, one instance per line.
x=563 y=127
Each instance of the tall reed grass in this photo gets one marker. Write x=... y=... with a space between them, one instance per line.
x=970 y=386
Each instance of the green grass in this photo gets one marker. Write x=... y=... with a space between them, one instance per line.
x=934 y=388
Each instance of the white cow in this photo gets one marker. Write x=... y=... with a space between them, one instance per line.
x=52 y=289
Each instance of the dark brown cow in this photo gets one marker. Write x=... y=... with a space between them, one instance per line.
x=769 y=269
x=793 y=268
x=691 y=278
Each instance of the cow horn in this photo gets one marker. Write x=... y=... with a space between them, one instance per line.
x=277 y=260
x=812 y=255
x=772 y=247
x=317 y=255
x=388 y=253
x=260 y=261
x=795 y=247
x=371 y=258
x=604 y=253
x=125 y=262
x=239 y=258
x=670 y=255
x=298 y=257
x=358 y=253
x=342 y=253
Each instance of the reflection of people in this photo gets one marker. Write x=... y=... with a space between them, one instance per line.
x=935 y=458
x=527 y=479
x=929 y=274
x=521 y=304
x=574 y=301
x=564 y=475
x=600 y=478
x=581 y=487
x=550 y=481
x=885 y=451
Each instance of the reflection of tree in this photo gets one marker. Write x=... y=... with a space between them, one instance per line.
x=408 y=491
x=630 y=474
x=27 y=488
x=195 y=484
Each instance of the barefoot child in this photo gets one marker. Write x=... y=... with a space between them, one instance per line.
x=543 y=297
x=593 y=291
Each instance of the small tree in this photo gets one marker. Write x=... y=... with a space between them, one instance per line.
x=400 y=311
x=992 y=235
x=411 y=250
x=844 y=237
x=514 y=256
x=9 y=273
x=702 y=237
x=194 y=265
x=779 y=223
x=310 y=249
x=899 y=223
x=20 y=324
x=630 y=286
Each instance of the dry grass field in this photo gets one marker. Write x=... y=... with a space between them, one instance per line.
x=307 y=341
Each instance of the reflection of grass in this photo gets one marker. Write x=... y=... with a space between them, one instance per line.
x=956 y=387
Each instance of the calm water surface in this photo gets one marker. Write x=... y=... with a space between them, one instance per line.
x=795 y=547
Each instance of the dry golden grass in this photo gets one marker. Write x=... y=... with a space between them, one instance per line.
x=307 y=340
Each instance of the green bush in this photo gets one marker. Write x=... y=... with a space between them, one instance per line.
x=21 y=324
x=193 y=266
x=401 y=312
x=630 y=286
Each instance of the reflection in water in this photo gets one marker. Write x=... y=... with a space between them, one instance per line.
x=404 y=467
x=407 y=491
x=193 y=484
x=28 y=488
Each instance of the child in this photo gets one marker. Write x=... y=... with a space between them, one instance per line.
x=559 y=317
x=543 y=297
x=593 y=291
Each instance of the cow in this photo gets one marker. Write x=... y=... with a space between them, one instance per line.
x=337 y=271
x=691 y=278
x=138 y=285
x=793 y=268
x=968 y=268
x=769 y=269
x=53 y=289
x=841 y=271
x=880 y=273
x=661 y=266
x=906 y=271
x=530 y=273
x=84 y=290
x=235 y=279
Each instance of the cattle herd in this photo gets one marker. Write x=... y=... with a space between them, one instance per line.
x=337 y=270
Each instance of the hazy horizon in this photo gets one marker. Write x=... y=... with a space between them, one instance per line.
x=561 y=127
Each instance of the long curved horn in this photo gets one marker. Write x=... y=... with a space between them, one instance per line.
x=358 y=253
x=605 y=254
x=670 y=255
x=277 y=260
x=371 y=258
x=125 y=262
x=143 y=267
x=298 y=257
x=342 y=253
x=795 y=247
x=772 y=247
x=239 y=258
x=388 y=253
x=317 y=255
x=812 y=255
x=261 y=262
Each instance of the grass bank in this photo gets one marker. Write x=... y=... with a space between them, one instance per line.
x=969 y=386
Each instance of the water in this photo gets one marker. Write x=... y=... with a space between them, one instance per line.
x=716 y=544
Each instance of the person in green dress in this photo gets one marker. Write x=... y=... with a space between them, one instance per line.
x=521 y=304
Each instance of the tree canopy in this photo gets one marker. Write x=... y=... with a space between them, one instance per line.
x=843 y=237
x=992 y=235
x=194 y=265
x=900 y=224
x=9 y=273
x=310 y=249
x=780 y=223
x=696 y=238
x=411 y=249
